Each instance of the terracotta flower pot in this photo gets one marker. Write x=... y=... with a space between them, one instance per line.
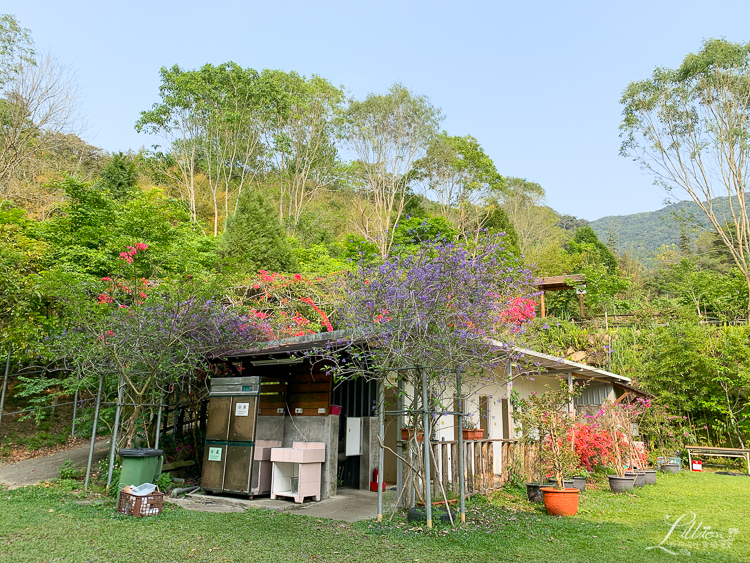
x=408 y=433
x=560 y=502
x=473 y=434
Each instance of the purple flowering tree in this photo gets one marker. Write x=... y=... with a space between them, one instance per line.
x=149 y=338
x=443 y=308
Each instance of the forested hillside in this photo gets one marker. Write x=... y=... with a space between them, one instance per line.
x=271 y=191
x=642 y=234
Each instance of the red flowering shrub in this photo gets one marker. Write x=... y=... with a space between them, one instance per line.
x=593 y=445
x=288 y=305
x=129 y=255
x=519 y=311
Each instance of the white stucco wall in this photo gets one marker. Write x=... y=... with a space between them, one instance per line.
x=494 y=388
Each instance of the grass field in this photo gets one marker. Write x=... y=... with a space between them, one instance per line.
x=48 y=523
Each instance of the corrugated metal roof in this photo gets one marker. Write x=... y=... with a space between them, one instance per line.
x=544 y=363
x=555 y=365
x=297 y=344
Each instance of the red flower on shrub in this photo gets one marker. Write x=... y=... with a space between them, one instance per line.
x=519 y=311
x=593 y=446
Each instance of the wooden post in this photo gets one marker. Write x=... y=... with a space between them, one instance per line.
x=491 y=464
x=509 y=393
x=454 y=463
x=485 y=470
x=580 y=304
x=477 y=466
x=437 y=474
x=504 y=461
x=542 y=304
x=446 y=467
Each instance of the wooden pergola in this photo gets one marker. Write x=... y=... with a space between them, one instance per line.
x=559 y=283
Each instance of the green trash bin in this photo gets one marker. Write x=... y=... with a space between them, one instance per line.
x=139 y=466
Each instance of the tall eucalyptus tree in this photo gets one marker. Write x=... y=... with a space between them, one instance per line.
x=388 y=133
x=690 y=127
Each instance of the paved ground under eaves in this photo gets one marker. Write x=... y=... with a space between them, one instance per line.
x=349 y=505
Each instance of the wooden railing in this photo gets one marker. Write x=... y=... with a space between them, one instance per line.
x=479 y=465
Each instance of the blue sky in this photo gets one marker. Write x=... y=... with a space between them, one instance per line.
x=537 y=83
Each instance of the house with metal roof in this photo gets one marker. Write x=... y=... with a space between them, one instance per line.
x=300 y=400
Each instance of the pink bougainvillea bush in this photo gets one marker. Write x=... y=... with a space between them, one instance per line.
x=289 y=304
x=147 y=338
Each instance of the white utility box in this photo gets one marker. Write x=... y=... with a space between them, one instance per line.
x=353 y=436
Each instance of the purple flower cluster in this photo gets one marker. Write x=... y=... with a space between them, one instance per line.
x=443 y=306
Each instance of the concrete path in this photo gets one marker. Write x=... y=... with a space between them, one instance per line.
x=349 y=505
x=38 y=469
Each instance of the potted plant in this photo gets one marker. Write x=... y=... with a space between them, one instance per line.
x=609 y=417
x=579 y=481
x=650 y=476
x=407 y=433
x=558 y=449
x=470 y=430
x=667 y=437
x=528 y=413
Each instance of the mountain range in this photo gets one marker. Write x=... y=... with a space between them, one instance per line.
x=643 y=233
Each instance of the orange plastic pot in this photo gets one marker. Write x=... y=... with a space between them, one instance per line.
x=408 y=433
x=560 y=502
x=473 y=434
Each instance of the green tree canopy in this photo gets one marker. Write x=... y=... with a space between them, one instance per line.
x=499 y=222
x=690 y=127
x=255 y=240
x=95 y=228
x=16 y=48
x=586 y=242
x=120 y=176
x=463 y=179
x=388 y=133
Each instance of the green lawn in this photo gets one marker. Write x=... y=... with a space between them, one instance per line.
x=46 y=524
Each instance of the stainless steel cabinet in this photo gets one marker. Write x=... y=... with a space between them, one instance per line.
x=230 y=434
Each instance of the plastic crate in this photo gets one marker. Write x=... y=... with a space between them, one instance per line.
x=147 y=505
x=660 y=460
